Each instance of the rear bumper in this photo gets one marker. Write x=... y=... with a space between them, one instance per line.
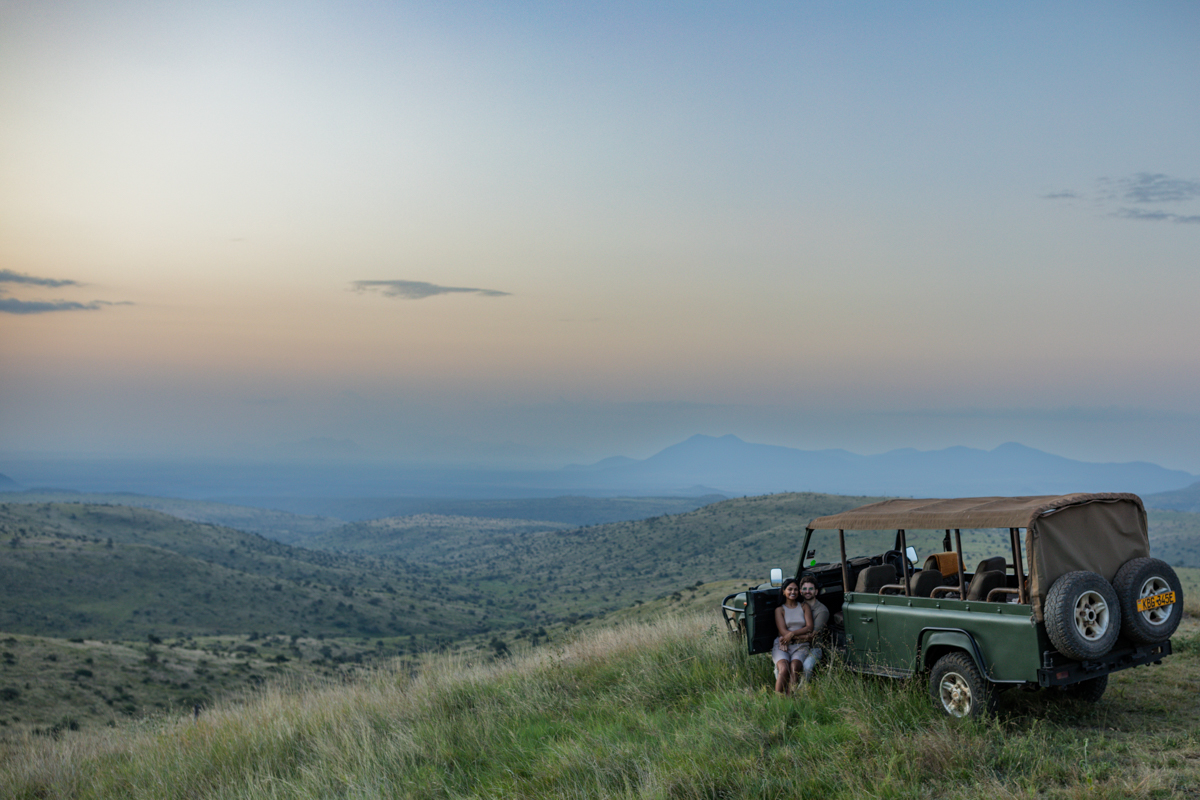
x=1058 y=670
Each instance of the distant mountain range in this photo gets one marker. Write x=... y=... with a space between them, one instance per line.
x=729 y=465
x=701 y=465
x=1186 y=499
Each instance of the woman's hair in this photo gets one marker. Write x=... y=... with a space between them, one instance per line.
x=785 y=584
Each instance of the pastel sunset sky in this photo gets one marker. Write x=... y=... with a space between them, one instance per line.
x=549 y=232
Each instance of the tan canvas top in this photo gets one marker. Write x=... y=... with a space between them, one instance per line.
x=1064 y=533
x=960 y=512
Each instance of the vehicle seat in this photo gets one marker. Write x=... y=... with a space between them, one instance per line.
x=996 y=563
x=984 y=582
x=945 y=563
x=924 y=581
x=871 y=579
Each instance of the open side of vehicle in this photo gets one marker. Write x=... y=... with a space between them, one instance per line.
x=1072 y=601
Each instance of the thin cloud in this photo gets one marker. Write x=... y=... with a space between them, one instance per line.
x=1156 y=216
x=1147 y=191
x=11 y=305
x=1148 y=187
x=419 y=290
x=8 y=276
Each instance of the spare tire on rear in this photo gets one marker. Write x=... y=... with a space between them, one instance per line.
x=1083 y=615
x=1144 y=587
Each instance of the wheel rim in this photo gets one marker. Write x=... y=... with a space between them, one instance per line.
x=956 y=694
x=1153 y=586
x=1091 y=616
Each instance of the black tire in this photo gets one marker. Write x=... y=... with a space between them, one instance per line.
x=1142 y=578
x=1083 y=616
x=958 y=689
x=1089 y=691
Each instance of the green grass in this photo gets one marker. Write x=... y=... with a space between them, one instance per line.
x=670 y=709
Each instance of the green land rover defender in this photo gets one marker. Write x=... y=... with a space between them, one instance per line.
x=1062 y=594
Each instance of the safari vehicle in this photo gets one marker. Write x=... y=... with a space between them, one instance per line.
x=1068 y=595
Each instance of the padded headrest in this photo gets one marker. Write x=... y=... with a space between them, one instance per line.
x=995 y=563
x=871 y=578
x=984 y=582
x=923 y=582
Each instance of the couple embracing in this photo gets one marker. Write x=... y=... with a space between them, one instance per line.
x=799 y=621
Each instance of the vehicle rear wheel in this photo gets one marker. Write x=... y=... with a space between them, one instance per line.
x=1083 y=616
x=1089 y=691
x=1143 y=585
x=958 y=689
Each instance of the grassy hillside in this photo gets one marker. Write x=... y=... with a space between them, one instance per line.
x=567 y=574
x=424 y=538
x=298 y=528
x=1175 y=537
x=1185 y=499
x=114 y=572
x=281 y=526
x=448 y=576
x=669 y=709
x=49 y=685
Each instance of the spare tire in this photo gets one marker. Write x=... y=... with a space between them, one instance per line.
x=1144 y=585
x=1083 y=615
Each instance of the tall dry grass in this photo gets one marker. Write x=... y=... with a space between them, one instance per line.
x=667 y=709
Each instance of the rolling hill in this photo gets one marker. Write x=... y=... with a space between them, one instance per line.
x=117 y=572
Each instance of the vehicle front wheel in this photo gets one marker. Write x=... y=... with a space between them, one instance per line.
x=1083 y=617
x=958 y=689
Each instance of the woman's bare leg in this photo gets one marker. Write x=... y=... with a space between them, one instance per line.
x=782 y=676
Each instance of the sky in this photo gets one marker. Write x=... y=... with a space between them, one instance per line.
x=551 y=233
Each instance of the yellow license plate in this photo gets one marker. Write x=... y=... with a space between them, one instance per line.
x=1156 y=601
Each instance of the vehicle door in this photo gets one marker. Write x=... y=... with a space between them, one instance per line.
x=760 y=619
x=860 y=616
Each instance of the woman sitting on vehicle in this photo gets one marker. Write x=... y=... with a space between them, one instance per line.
x=793 y=620
x=820 y=617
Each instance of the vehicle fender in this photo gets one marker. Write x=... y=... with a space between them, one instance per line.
x=937 y=642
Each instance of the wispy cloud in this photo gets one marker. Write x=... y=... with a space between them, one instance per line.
x=11 y=305
x=1146 y=187
x=1156 y=216
x=1148 y=192
x=419 y=290
x=8 y=276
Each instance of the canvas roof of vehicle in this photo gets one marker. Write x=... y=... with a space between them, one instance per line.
x=961 y=512
x=1064 y=533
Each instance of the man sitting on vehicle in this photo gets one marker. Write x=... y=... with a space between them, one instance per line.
x=820 y=616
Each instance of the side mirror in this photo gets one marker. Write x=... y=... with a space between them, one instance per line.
x=776 y=576
x=911 y=552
